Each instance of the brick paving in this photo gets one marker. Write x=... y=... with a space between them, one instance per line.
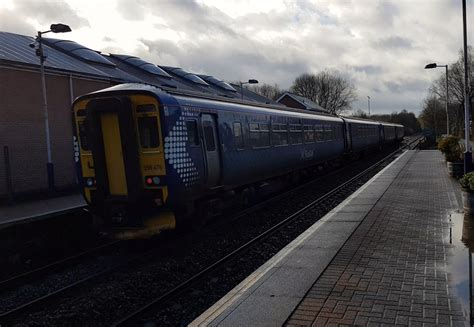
x=392 y=270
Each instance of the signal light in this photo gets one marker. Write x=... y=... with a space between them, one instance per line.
x=149 y=181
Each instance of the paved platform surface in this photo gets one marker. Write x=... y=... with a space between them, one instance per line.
x=379 y=258
x=29 y=210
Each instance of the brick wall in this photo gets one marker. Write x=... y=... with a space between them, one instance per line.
x=22 y=127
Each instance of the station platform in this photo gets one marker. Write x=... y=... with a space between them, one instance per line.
x=27 y=211
x=382 y=257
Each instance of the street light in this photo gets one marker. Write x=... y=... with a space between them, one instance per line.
x=368 y=104
x=55 y=28
x=434 y=65
x=251 y=81
x=468 y=153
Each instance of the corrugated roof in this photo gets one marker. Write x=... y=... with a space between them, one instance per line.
x=16 y=48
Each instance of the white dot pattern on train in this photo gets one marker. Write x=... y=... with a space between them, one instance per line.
x=176 y=153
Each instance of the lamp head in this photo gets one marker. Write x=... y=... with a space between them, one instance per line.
x=253 y=81
x=429 y=66
x=60 y=28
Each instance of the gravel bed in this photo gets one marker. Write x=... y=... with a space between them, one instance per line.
x=185 y=308
x=30 y=291
x=25 y=247
x=115 y=295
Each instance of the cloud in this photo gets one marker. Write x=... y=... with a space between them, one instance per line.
x=405 y=85
x=10 y=22
x=186 y=16
x=380 y=46
x=394 y=42
x=48 y=12
x=369 y=69
x=222 y=60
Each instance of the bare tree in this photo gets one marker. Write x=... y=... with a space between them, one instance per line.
x=433 y=115
x=328 y=89
x=359 y=113
x=456 y=90
x=269 y=91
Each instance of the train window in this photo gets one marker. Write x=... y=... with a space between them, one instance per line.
x=264 y=134
x=318 y=129
x=209 y=136
x=82 y=127
x=308 y=134
x=327 y=133
x=238 y=136
x=148 y=132
x=145 y=108
x=259 y=135
x=192 y=131
x=296 y=135
x=254 y=135
x=338 y=132
x=280 y=134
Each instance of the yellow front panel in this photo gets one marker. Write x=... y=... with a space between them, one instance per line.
x=152 y=160
x=113 y=154
x=87 y=163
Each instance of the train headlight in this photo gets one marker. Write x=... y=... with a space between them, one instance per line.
x=90 y=182
x=149 y=181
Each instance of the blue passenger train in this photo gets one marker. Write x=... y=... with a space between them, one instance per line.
x=144 y=154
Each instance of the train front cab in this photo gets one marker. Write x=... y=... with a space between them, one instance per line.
x=122 y=160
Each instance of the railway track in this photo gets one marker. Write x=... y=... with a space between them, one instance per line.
x=36 y=274
x=136 y=317
x=49 y=298
x=28 y=276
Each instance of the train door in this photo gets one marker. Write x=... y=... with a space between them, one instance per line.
x=114 y=161
x=211 y=149
x=114 y=149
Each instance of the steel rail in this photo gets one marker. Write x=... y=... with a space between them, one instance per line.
x=13 y=281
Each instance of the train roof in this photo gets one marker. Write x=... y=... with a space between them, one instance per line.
x=196 y=99
x=368 y=121
x=358 y=120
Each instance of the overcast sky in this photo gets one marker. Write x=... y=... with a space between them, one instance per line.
x=381 y=46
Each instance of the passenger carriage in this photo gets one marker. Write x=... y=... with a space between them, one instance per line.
x=145 y=153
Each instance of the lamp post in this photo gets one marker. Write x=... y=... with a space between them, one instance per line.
x=55 y=28
x=434 y=65
x=368 y=104
x=250 y=81
x=467 y=102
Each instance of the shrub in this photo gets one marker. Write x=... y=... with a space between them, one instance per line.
x=467 y=181
x=451 y=148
